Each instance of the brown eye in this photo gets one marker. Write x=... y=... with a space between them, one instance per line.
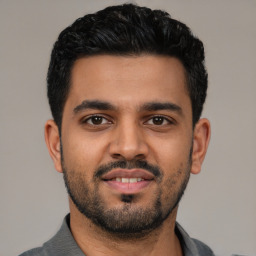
x=158 y=120
x=96 y=120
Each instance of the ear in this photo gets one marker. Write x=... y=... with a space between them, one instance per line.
x=52 y=139
x=201 y=138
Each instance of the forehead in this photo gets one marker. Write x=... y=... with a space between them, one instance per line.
x=129 y=81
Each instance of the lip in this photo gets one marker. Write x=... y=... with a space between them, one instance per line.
x=128 y=188
x=128 y=173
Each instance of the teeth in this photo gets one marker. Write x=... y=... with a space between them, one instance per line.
x=128 y=180
x=125 y=180
x=133 y=180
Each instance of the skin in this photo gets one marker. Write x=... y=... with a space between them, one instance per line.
x=129 y=132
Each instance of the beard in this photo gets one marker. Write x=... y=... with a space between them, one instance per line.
x=129 y=220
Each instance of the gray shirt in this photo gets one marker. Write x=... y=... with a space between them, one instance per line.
x=63 y=244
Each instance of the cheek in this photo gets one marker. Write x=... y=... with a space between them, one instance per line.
x=172 y=154
x=81 y=151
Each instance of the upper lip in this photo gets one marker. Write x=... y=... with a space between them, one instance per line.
x=128 y=173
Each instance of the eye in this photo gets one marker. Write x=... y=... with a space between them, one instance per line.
x=96 y=120
x=158 y=120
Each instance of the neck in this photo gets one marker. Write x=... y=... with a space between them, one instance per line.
x=94 y=241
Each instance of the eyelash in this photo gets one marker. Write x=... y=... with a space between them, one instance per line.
x=163 y=120
x=86 y=120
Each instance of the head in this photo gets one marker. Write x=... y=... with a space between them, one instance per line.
x=126 y=87
x=126 y=30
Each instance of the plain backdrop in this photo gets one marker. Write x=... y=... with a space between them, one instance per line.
x=219 y=206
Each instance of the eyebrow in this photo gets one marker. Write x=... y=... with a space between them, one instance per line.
x=93 y=104
x=103 y=105
x=155 y=106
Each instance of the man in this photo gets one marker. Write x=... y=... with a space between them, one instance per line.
x=126 y=87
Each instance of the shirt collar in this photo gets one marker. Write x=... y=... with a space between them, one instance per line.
x=65 y=244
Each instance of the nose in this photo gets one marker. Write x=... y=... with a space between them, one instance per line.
x=128 y=142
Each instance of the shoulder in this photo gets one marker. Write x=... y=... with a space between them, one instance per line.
x=191 y=246
x=62 y=243
x=51 y=246
x=40 y=251
x=202 y=248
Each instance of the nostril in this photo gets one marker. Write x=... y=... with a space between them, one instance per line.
x=117 y=156
x=139 y=156
x=125 y=158
x=128 y=147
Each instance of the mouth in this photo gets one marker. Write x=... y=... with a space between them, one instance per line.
x=127 y=181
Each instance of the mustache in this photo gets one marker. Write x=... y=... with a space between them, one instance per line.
x=138 y=164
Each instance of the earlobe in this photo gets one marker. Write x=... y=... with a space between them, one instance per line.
x=52 y=139
x=201 y=140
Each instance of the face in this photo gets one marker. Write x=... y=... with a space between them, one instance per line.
x=127 y=140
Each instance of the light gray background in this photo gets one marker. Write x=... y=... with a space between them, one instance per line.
x=219 y=206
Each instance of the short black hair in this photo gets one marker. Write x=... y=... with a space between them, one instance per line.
x=126 y=30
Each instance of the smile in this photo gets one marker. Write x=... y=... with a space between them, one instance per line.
x=128 y=180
